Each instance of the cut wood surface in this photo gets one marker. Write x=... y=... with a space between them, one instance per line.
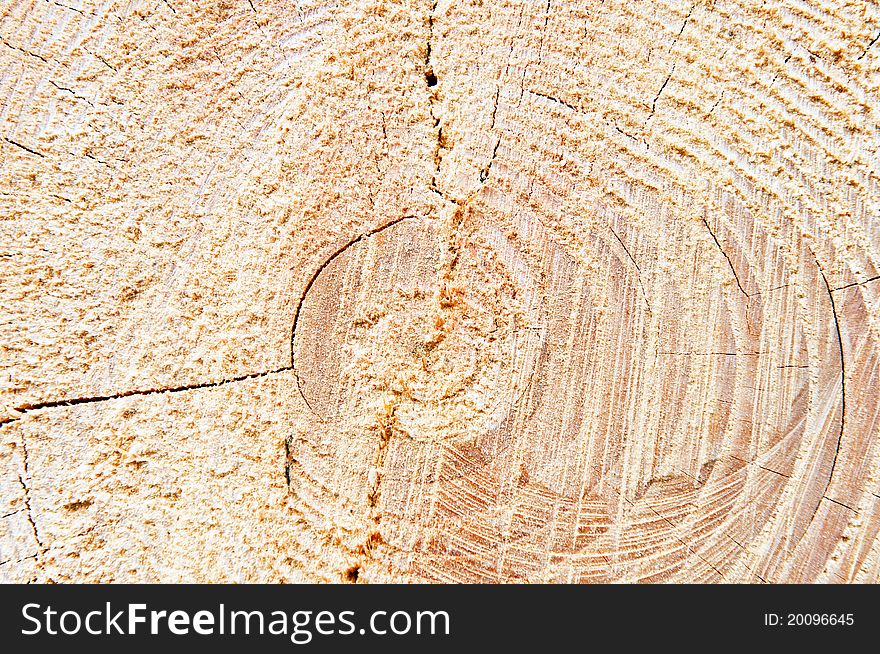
x=440 y=291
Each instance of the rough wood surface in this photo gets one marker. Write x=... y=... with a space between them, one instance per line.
x=440 y=291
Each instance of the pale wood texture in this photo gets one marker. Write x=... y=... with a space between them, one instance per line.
x=440 y=291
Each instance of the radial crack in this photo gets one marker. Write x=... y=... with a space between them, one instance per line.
x=683 y=25
x=659 y=93
x=484 y=173
x=873 y=41
x=384 y=427
x=431 y=82
x=27 y=408
x=729 y=262
x=862 y=283
x=27 y=493
x=23 y=147
x=554 y=99
x=638 y=270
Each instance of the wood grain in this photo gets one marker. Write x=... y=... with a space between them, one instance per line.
x=440 y=291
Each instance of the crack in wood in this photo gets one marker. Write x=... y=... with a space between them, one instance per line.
x=23 y=147
x=729 y=262
x=840 y=433
x=27 y=493
x=660 y=92
x=299 y=306
x=862 y=283
x=74 y=401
